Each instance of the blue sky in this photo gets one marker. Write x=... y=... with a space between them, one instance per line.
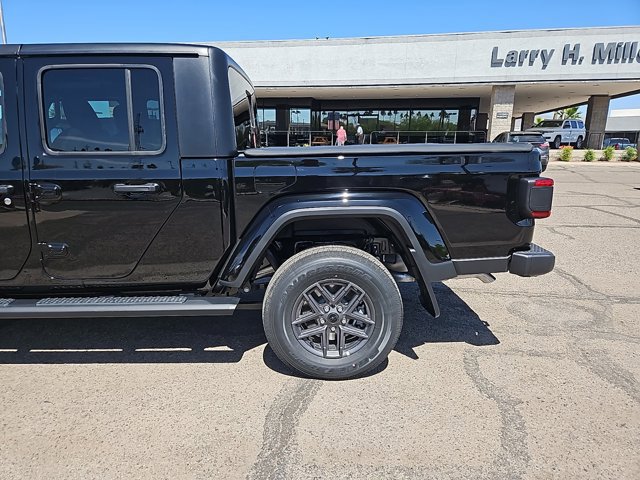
x=47 y=21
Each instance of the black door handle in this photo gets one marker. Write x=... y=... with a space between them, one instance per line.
x=6 y=189
x=144 y=188
x=47 y=191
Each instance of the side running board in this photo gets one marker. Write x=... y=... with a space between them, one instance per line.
x=94 y=307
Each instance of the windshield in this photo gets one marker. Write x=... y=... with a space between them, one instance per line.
x=550 y=123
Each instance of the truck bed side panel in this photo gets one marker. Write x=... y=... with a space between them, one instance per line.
x=467 y=195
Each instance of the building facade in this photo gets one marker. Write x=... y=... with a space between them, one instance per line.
x=466 y=87
x=624 y=123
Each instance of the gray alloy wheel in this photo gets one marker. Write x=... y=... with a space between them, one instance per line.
x=332 y=312
x=557 y=142
x=333 y=318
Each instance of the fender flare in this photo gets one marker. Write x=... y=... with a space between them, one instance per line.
x=415 y=229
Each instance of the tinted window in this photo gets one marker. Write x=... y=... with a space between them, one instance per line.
x=574 y=124
x=567 y=125
x=145 y=96
x=527 y=139
x=87 y=110
x=580 y=124
x=550 y=123
x=244 y=110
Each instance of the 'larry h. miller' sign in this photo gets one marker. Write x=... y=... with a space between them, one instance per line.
x=612 y=52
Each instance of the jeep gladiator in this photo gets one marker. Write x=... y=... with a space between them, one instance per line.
x=131 y=185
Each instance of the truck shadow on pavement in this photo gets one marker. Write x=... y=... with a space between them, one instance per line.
x=210 y=339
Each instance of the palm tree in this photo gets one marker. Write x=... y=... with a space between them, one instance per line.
x=444 y=116
x=571 y=112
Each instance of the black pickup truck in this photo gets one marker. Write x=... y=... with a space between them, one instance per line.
x=131 y=185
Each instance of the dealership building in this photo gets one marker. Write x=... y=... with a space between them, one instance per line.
x=463 y=87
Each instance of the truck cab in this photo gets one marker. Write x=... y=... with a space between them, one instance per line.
x=93 y=190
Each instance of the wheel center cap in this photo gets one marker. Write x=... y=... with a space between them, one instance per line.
x=333 y=318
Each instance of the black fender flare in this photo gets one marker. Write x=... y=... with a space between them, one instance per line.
x=403 y=213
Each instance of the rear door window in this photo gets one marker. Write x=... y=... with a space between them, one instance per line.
x=106 y=110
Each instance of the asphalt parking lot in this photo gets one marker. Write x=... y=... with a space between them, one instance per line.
x=518 y=379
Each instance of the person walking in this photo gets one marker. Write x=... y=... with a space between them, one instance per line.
x=342 y=136
x=360 y=134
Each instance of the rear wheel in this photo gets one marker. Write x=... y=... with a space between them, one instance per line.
x=332 y=312
x=579 y=143
x=557 y=142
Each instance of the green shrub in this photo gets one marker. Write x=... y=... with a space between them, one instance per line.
x=565 y=153
x=589 y=156
x=630 y=154
x=607 y=153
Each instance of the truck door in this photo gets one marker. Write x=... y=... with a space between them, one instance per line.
x=103 y=157
x=574 y=131
x=15 y=241
x=566 y=132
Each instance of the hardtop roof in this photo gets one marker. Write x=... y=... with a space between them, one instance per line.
x=54 y=49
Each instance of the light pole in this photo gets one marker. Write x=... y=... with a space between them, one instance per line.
x=4 y=32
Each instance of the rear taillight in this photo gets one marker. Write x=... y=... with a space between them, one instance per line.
x=541 y=214
x=535 y=197
x=543 y=182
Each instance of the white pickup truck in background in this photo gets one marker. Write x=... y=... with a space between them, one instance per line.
x=562 y=132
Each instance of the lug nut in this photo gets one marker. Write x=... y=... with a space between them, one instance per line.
x=333 y=329
x=339 y=308
x=326 y=309
x=344 y=321
x=322 y=321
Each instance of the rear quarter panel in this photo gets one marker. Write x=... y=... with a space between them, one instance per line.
x=470 y=197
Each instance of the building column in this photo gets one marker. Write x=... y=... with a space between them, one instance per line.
x=596 y=121
x=500 y=110
x=464 y=119
x=482 y=119
x=528 y=120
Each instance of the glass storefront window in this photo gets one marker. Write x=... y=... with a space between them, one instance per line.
x=267 y=118
x=329 y=120
x=424 y=120
x=433 y=120
x=449 y=119
x=299 y=126
x=306 y=126
x=299 y=119
x=391 y=120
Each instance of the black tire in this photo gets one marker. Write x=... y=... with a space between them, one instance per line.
x=579 y=143
x=557 y=142
x=298 y=291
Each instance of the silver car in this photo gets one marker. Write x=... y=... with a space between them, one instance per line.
x=534 y=138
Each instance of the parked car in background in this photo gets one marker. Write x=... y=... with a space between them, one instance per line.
x=562 y=132
x=618 y=143
x=534 y=138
